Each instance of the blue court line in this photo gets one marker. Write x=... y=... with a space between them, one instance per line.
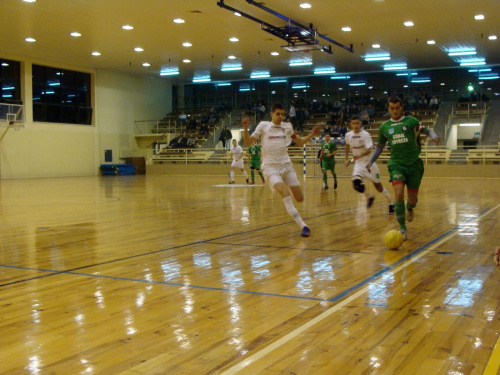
x=333 y=299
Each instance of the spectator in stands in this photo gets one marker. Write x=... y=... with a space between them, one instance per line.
x=365 y=118
x=192 y=124
x=334 y=118
x=370 y=110
x=191 y=142
x=422 y=103
x=343 y=131
x=183 y=141
x=301 y=118
x=434 y=103
x=204 y=129
x=225 y=138
x=336 y=131
x=183 y=118
x=174 y=142
x=293 y=115
x=327 y=130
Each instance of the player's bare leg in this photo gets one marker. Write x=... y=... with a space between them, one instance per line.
x=399 y=195
x=381 y=189
x=284 y=191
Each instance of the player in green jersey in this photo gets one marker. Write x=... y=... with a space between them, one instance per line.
x=405 y=166
x=255 y=153
x=327 y=157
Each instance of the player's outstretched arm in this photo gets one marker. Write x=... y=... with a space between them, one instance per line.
x=301 y=141
x=249 y=141
x=376 y=153
x=432 y=136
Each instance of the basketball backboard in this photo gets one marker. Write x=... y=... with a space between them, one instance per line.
x=12 y=115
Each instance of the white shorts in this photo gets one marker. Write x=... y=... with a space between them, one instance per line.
x=285 y=173
x=238 y=164
x=361 y=171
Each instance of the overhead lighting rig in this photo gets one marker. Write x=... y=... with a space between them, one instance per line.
x=298 y=36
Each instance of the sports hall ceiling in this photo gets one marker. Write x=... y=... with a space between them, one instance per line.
x=208 y=27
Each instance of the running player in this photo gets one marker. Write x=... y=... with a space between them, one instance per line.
x=360 y=141
x=278 y=169
x=255 y=153
x=327 y=157
x=405 y=166
x=238 y=154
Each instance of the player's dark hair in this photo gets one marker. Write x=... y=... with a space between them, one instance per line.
x=277 y=106
x=354 y=118
x=394 y=99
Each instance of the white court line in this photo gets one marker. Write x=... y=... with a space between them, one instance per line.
x=236 y=185
x=275 y=345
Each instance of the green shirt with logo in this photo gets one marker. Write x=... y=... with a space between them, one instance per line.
x=327 y=149
x=254 y=152
x=404 y=139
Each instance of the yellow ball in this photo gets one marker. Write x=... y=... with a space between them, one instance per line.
x=393 y=239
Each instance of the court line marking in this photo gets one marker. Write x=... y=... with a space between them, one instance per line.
x=283 y=340
x=494 y=361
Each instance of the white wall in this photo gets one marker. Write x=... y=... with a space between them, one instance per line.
x=56 y=150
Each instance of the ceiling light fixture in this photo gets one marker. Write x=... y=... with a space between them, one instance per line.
x=260 y=75
x=300 y=63
x=229 y=68
x=340 y=77
x=492 y=37
x=138 y=49
x=376 y=45
x=187 y=61
x=408 y=23
x=95 y=53
x=231 y=57
x=395 y=67
x=431 y=42
x=473 y=62
x=324 y=71
x=461 y=53
x=237 y=15
x=347 y=28
x=278 y=81
x=169 y=73
x=384 y=56
x=127 y=27
x=187 y=44
x=179 y=20
x=305 y=5
x=75 y=34
x=479 y=17
x=30 y=40
x=274 y=53
x=234 y=39
x=206 y=79
x=146 y=64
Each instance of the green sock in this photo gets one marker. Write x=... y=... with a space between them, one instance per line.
x=335 y=177
x=252 y=174
x=409 y=206
x=400 y=213
x=325 y=179
x=261 y=175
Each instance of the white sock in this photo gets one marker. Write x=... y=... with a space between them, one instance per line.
x=232 y=175
x=387 y=196
x=292 y=211
x=245 y=173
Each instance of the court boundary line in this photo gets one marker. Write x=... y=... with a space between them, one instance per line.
x=407 y=261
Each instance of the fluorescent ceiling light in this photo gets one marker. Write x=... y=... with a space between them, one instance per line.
x=347 y=28
x=340 y=77
x=405 y=86
x=244 y=89
x=479 y=70
x=224 y=84
x=357 y=84
x=395 y=67
x=473 y=62
x=470 y=124
x=305 y=5
x=95 y=53
x=146 y=64
x=408 y=23
x=300 y=63
x=187 y=61
x=260 y=75
x=237 y=14
x=127 y=27
x=376 y=45
x=179 y=20
x=431 y=42
x=206 y=79
x=325 y=71
x=300 y=87
x=406 y=74
x=169 y=73
x=187 y=44
x=492 y=37
x=423 y=80
x=231 y=57
x=229 y=68
x=442 y=83
x=75 y=34
x=461 y=53
x=233 y=39
x=275 y=53
x=29 y=1
x=30 y=40
x=5 y=64
x=479 y=17
x=138 y=49
x=377 y=57
x=489 y=77
x=278 y=81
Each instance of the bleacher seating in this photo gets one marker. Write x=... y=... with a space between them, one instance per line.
x=483 y=156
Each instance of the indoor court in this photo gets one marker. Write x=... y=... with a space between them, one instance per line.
x=164 y=274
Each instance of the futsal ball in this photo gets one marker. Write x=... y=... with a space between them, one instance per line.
x=393 y=239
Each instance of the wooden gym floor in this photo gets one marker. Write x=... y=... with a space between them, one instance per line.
x=175 y=275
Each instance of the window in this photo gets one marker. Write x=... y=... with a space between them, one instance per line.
x=61 y=96
x=10 y=82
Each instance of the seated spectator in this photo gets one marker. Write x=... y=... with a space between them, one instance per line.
x=183 y=141
x=191 y=142
x=343 y=131
x=192 y=124
x=334 y=118
x=434 y=103
x=365 y=118
x=204 y=129
x=336 y=131
x=174 y=142
x=183 y=118
x=327 y=130
x=422 y=103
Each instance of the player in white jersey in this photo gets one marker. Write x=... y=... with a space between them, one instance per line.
x=278 y=169
x=361 y=143
x=238 y=154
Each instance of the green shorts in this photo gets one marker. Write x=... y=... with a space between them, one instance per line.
x=328 y=165
x=411 y=174
x=255 y=164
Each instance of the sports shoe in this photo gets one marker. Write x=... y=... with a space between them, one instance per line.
x=305 y=232
x=410 y=215
x=403 y=232
x=247 y=181
x=252 y=183
x=326 y=187
x=392 y=209
x=231 y=182
x=370 y=201
x=335 y=186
